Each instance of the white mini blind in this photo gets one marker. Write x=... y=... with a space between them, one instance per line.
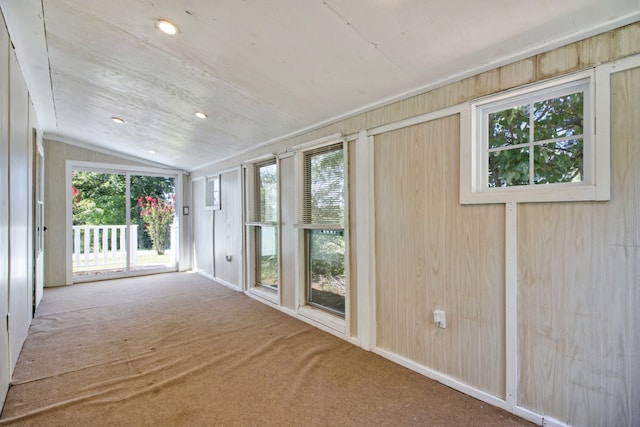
x=266 y=192
x=323 y=181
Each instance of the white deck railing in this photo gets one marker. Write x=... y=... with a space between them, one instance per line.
x=109 y=245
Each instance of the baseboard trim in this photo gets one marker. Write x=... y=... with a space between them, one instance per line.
x=227 y=284
x=203 y=274
x=468 y=390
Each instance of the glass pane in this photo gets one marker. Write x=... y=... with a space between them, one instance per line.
x=509 y=127
x=324 y=188
x=153 y=229
x=558 y=162
x=212 y=192
x=99 y=223
x=326 y=287
x=509 y=167
x=559 y=117
x=267 y=256
x=267 y=193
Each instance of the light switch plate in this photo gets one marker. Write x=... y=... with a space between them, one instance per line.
x=439 y=319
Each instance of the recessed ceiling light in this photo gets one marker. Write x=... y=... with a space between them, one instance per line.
x=166 y=27
x=152 y=152
x=117 y=120
x=201 y=115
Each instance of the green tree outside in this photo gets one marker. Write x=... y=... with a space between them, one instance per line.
x=100 y=199
x=557 y=128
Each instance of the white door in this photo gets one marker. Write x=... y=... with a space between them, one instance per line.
x=39 y=226
x=203 y=227
x=4 y=213
x=20 y=298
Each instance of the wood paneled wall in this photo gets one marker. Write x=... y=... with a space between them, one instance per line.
x=20 y=301
x=433 y=253
x=578 y=263
x=579 y=289
x=227 y=231
x=5 y=373
x=203 y=223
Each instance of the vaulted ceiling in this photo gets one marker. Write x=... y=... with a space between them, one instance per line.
x=262 y=69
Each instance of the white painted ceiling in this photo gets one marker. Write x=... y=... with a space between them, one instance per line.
x=263 y=69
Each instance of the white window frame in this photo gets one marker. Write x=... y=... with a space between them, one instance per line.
x=474 y=151
x=319 y=317
x=264 y=292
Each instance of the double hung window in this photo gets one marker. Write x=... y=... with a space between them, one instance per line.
x=263 y=225
x=323 y=222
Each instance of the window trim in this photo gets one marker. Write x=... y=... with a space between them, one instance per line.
x=595 y=186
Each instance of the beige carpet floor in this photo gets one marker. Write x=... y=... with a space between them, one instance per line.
x=180 y=350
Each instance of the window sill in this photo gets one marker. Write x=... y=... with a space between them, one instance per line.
x=265 y=294
x=323 y=318
x=537 y=194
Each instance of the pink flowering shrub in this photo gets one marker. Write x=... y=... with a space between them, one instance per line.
x=158 y=215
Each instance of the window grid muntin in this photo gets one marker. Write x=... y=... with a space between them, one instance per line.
x=532 y=142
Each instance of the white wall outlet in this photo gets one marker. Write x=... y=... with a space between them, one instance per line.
x=439 y=319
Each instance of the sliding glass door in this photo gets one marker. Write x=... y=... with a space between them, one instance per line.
x=123 y=223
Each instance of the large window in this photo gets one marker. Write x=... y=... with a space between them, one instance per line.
x=263 y=224
x=533 y=144
x=323 y=219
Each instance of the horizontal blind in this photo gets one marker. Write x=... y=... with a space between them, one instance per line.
x=266 y=192
x=323 y=192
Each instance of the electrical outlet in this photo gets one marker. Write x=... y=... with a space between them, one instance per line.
x=439 y=319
